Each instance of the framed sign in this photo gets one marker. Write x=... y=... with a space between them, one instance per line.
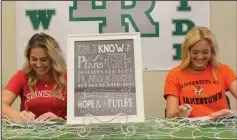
x=104 y=78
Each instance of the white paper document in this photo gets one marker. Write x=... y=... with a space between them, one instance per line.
x=204 y=118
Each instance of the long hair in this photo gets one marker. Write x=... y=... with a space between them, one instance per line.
x=195 y=35
x=52 y=49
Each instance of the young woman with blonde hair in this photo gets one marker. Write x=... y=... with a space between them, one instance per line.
x=197 y=87
x=41 y=83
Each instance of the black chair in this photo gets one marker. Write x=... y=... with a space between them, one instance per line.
x=21 y=107
x=228 y=101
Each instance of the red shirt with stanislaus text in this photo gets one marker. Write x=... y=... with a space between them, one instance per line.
x=42 y=101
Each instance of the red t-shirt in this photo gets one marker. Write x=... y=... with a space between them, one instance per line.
x=200 y=90
x=43 y=101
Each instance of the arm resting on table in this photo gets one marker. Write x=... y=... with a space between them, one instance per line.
x=7 y=111
x=172 y=105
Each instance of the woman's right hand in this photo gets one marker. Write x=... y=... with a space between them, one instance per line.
x=27 y=115
x=185 y=110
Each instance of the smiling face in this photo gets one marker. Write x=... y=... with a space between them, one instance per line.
x=40 y=62
x=200 y=55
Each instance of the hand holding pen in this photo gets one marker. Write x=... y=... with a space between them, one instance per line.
x=185 y=110
x=26 y=115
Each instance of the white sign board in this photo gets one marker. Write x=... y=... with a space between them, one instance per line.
x=105 y=78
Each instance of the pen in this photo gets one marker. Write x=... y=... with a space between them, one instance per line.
x=26 y=108
x=187 y=107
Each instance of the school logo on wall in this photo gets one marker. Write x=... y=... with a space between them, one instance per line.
x=138 y=14
x=162 y=24
x=113 y=14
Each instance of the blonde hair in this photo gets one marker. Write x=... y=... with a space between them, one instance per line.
x=52 y=49
x=195 y=35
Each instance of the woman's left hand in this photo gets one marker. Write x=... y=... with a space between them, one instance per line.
x=49 y=116
x=224 y=112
